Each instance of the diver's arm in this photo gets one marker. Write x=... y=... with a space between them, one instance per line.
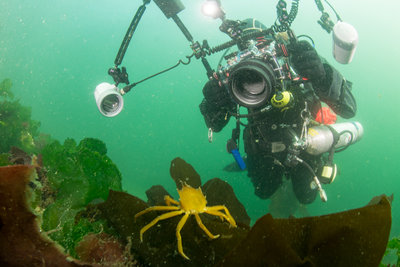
x=335 y=91
x=328 y=83
x=216 y=106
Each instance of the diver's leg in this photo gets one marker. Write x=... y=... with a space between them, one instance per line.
x=301 y=180
x=265 y=175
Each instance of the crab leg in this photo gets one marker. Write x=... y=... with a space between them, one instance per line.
x=169 y=200
x=178 y=234
x=202 y=226
x=159 y=218
x=215 y=210
x=155 y=208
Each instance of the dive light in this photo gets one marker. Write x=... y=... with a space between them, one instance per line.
x=345 y=36
x=345 y=40
x=108 y=99
x=212 y=8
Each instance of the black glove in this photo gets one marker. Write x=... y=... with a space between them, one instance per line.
x=216 y=105
x=217 y=95
x=306 y=61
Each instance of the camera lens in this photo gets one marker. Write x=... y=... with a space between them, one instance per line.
x=251 y=82
x=110 y=104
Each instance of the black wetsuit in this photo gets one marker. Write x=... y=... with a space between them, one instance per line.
x=267 y=138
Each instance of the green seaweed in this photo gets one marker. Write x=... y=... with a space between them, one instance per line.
x=5 y=89
x=93 y=144
x=72 y=233
x=392 y=251
x=80 y=171
x=4 y=161
x=69 y=175
x=395 y=244
x=79 y=174
x=16 y=126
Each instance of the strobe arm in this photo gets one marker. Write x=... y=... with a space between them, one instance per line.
x=118 y=75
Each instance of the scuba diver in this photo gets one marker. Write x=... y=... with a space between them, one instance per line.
x=274 y=125
x=280 y=79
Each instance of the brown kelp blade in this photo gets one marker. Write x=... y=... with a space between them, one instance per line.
x=352 y=238
x=21 y=243
x=183 y=173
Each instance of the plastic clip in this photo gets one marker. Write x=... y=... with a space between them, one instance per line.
x=210 y=135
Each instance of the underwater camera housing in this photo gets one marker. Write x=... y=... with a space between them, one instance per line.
x=251 y=74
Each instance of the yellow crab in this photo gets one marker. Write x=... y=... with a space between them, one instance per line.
x=192 y=202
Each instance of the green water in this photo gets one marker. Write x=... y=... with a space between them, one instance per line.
x=56 y=52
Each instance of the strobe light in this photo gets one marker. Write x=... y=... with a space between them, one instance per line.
x=345 y=40
x=108 y=99
x=212 y=8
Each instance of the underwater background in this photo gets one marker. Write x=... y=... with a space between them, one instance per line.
x=56 y=52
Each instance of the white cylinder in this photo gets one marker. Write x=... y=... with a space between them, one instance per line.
x=108 y=99
x=320 y=138
x=345 y=40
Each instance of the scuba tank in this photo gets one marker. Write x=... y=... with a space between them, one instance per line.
x=323 y=138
